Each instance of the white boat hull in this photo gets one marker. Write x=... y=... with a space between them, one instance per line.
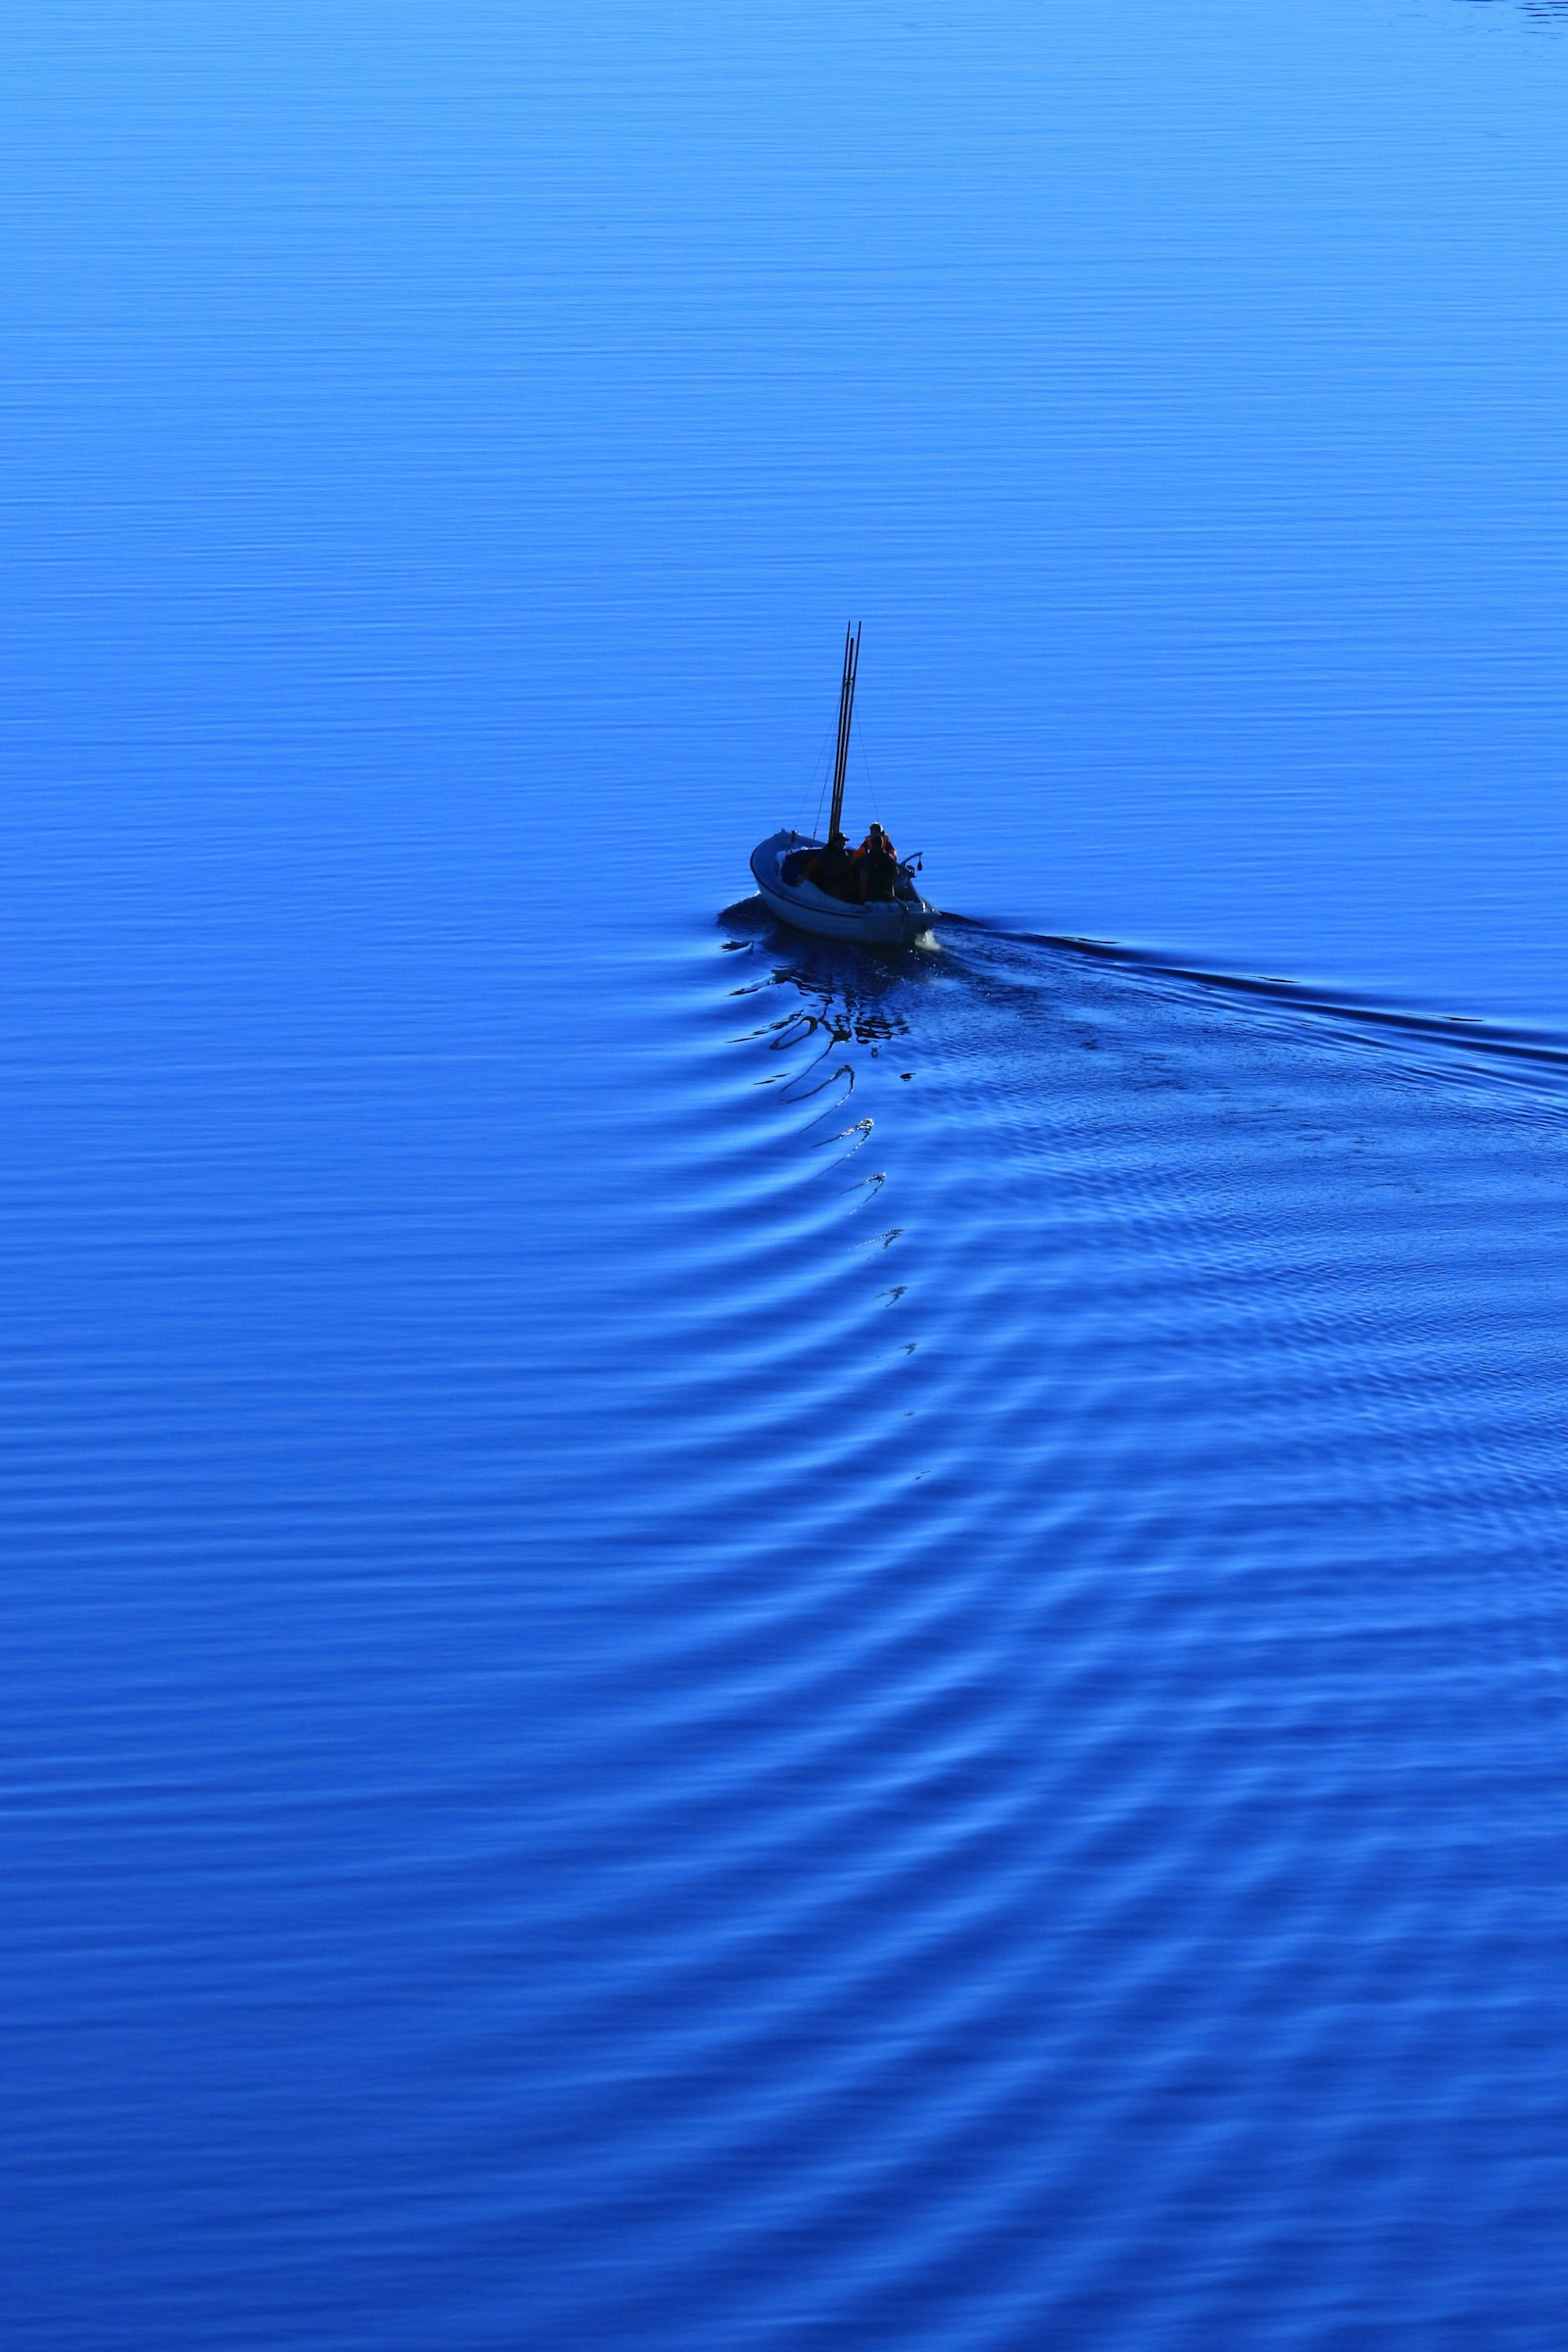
x=882 y=923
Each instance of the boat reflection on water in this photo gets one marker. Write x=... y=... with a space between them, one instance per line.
x=822 y=1000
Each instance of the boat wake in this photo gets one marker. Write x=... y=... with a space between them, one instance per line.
x=1080 y=1658
x=1469 y=1031
x=1450 y=1039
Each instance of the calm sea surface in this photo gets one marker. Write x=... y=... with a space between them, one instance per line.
x=711 y=1646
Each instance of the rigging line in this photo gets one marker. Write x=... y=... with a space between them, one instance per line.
x=822 y=790
x=840 y=747
x=866 y=765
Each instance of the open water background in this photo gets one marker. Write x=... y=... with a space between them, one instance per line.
x=710 y=1644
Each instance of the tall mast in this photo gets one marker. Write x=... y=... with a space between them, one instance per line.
x=840 y=760
x=838 y=741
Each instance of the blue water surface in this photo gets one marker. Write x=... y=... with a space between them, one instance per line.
x=711 y=1643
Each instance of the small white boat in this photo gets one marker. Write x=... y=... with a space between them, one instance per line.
x=778 y=862
x=880 y=923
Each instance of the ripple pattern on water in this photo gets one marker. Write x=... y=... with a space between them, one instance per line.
x=1080 y=1671
x=949 y=1735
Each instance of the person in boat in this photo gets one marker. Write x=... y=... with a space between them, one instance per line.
x=832 y=870
x=876 y=866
